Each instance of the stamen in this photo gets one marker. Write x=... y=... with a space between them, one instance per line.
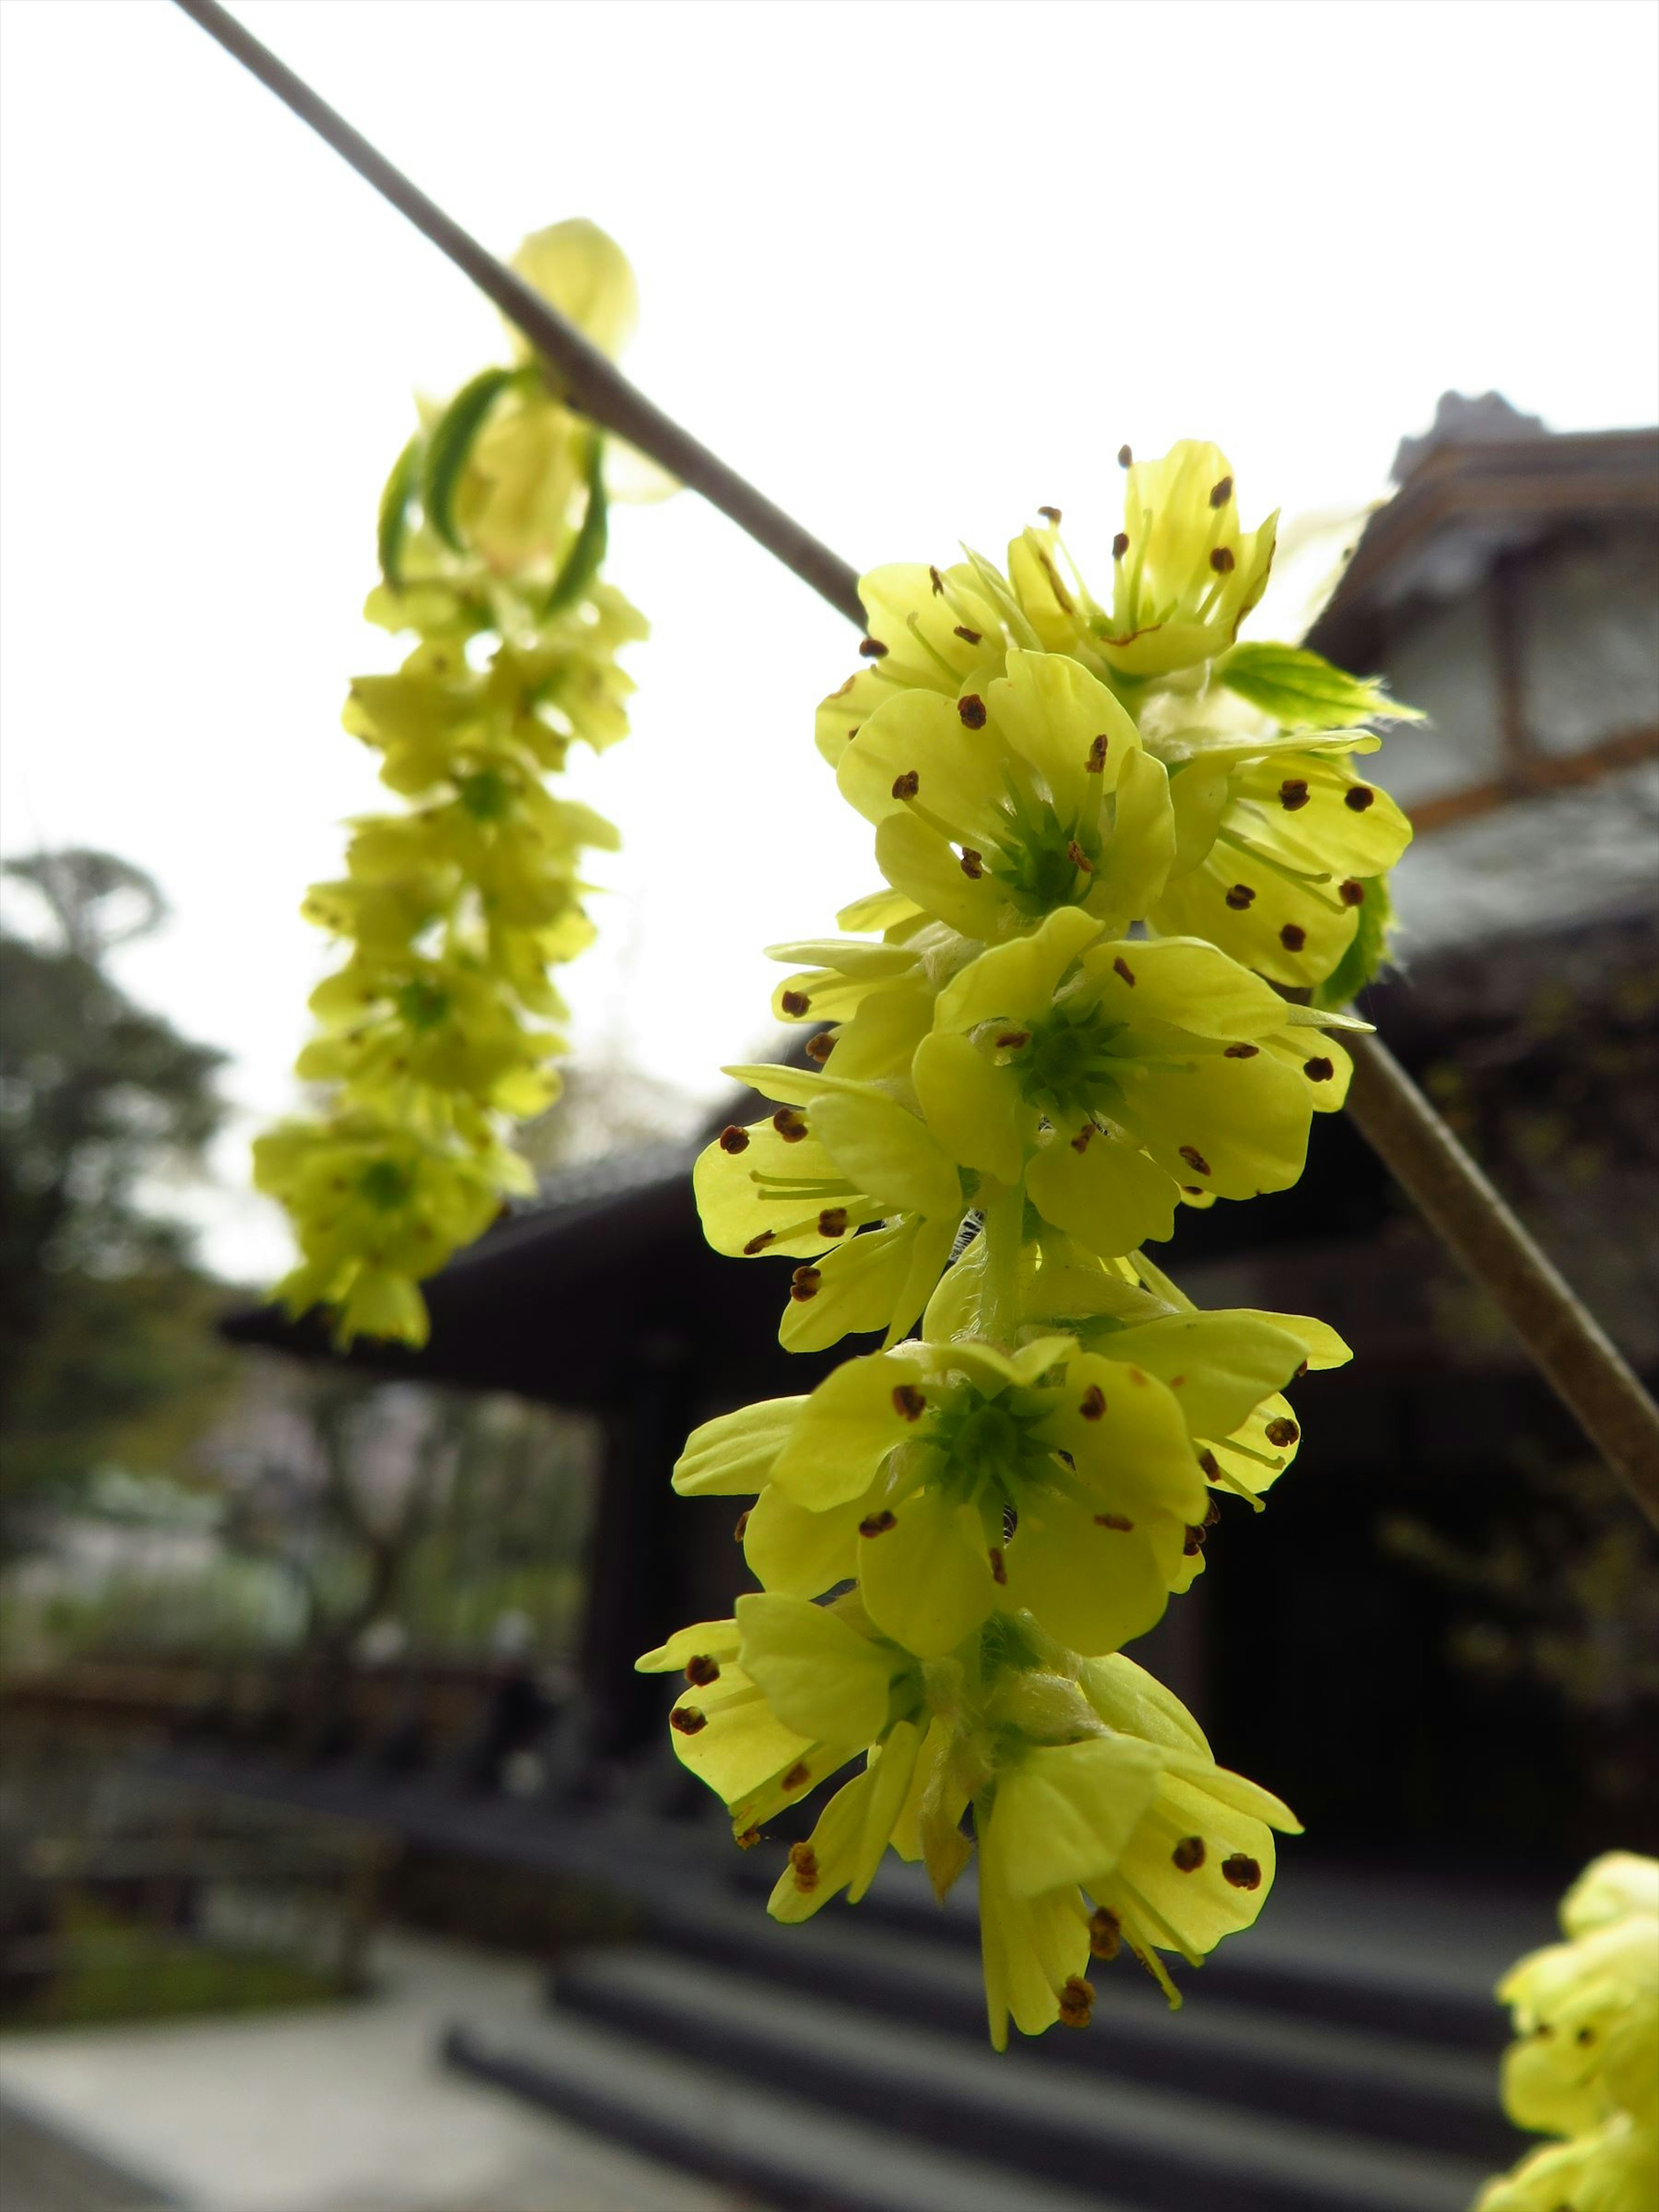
x=1093 y=1403
x=1358 y=799
x=1096 y=760
x=701 y=1671
x=1293 y=937
x=878 y=1524
x=1084 y=1138
x=759 y=1243
x=1014 y=1040
x=1194 y=1543
x=938 y=582
x=971 y=708
x=1221 y=561
x=803 y=1283
x=1238 y=898
x=968 y=636
x=972 y=864
x=1282 y=1433
x=1351 y=893
x=872 y=648
x=739 y=1526
x=998 y=1571
x=733 y=1139
x=1293 y=793
x=1241 y=1052
x=1221 y=493
x=1319 y=1069
x=1195 y=1159
x=1118 y=1522
x=1121 y=967
x=748 y=1839
x=907 y=785
x=820 y=1046
x=909 y=1402
x=1077 y=2002
x=803 y=1866
x=789 y=1125
x=1105 y=1933
x=1189 y=1854
x=799 y=1774
x=1211 y=1513
x=1126 y=459
x=832 y=1222
x=1120 y=544
x=1050 y=515
x=794 y=1002
x=1078 y=858
x=1241 y=1871
x=686 y=1720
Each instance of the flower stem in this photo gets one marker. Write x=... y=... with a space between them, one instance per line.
x=1004 y=1208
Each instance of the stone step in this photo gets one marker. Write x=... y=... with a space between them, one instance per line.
x=777 y=2150
x=1383 y=2088
x=1164 y=2149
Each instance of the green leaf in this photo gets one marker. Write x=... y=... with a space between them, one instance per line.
x=1302 y=691
x=452 y=439
x=581 y=563
x=1366 y=953
x=391 y=525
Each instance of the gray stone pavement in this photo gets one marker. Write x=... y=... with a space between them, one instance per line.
x=338 y=2109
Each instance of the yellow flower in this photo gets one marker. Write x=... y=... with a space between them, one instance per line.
x=1028 y=793
x=445 y=1023
x=1616 y=2169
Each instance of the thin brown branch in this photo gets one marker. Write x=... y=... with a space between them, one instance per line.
x=1460 y=1205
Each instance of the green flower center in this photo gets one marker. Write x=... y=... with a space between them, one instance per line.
x=1073 y=1066
x=1037 y=865
x=423 y=1005
x=486 y=796
x=386 y=1185
x=986 y=1447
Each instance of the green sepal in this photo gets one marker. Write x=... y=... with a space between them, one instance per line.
x=1302 y=691
x=392 y=522
x=1367 y=951
x=451 y=441
x=587 y=553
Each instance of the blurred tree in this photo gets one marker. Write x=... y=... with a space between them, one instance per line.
x=105 y=1346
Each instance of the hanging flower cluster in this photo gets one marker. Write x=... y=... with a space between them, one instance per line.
x=1585 y=2063
x=1108 y=831
x=430 y=1037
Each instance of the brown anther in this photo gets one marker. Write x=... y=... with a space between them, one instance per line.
x=760 y=1242
x=803 y=1283
x=970 y=710
x=686 y=1720
x=1126 y=459
x=1084 y=1139
x=820 y=1046
x=1241 y=1051
x=1097 y=749
x=1282 y=1433
x=1077 y=2002
x=1194 y=1542
x=1293 y=937
x=878 y=1524
x=972 y=864
x=1105 y=1932
x=1120 y=1523
x=1586 y=2035
x=909 y=1402
x=748 y=1839
x=999 y=1570
x=938 y=581
x=1206 y=1460
x=872 y=648
x=1093 y=1404
x=733 y=1139
x=794 y=1002
x=907 y=785
x=1211 y=1513
x=803 y=1866
x=1078 y=858
x=1014 y=1040
x=1120 y=544
x=1359 y=798
x=832 y=1222
x=701 y=1670
x=1240 y=896
x=968 y=636
x=1195 y=1159
x=1188 y=1855
x=1351 y=893
x=1293 y=793
x=1300 y=1372
x=789 y=1125
x=801 y=1774
x=1050 y=515
x=1121 y=967
x=1221 y=561
x=1241 y=1871
x=740 y=1526
x=1319 y=1069
x=1221 y=493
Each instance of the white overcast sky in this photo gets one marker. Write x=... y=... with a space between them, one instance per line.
x=915 y=267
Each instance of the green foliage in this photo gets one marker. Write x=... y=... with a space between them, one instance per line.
x=1302 y=691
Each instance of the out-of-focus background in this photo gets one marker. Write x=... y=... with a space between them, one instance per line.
x=322 y=1751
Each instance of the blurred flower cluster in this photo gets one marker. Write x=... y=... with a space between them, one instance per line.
x=1112 y=841
x=429 y=1038
x=1584 y=2065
